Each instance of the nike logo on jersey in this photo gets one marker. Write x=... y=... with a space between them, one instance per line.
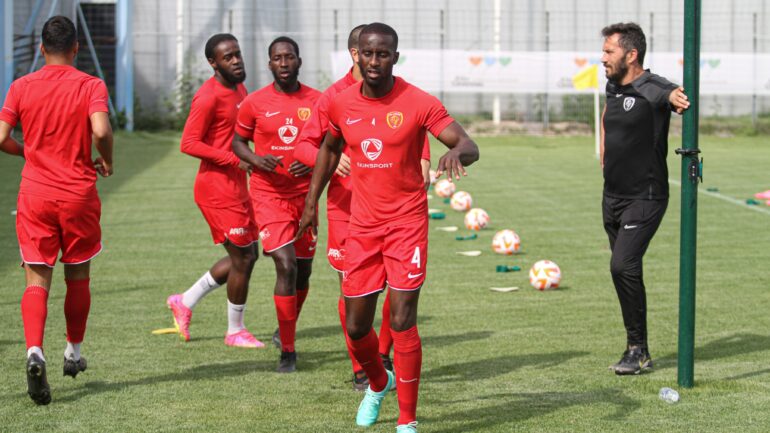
x=618 y=95
x=350 y=121
x=237 y=106
x=413 y=276
x=269 y=114
x=401 y=379
x=628 y=227
x=310 y=248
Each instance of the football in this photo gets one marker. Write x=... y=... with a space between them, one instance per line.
x=461 y=201
x=506 y=242
x=445 y=188
x=476 y=219
x=545 y=275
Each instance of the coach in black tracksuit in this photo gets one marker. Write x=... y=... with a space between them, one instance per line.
x=634 y=146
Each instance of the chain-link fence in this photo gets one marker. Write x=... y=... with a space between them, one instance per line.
x=169 y=36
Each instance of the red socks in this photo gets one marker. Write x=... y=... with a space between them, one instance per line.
x=301 y=295
x=77 y=303
x=386 y=340
x=341 y=309
x=407 y=360
x=34 y=309
x=286 y=310
x=365 y=351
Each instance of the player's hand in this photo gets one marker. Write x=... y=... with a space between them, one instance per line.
x=450 y=163
x=267 y=162
x=299 y=169
x=679 y=100
x=309 y=221
x=102 y=167
x=343 y=168
x=243 y=165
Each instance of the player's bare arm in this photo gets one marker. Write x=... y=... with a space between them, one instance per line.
x=101 y=132
x=462 y=152
x=265 y=163
x=7 y=143
x=425 y=164
x=679 y=101
x=325 y=164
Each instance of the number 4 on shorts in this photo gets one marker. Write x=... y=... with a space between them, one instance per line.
x=416 y=257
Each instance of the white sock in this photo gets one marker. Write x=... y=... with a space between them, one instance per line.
x=72 y=351
x=201 y=288
x=36 y=350
x=234 y=317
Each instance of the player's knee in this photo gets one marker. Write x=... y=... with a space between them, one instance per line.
x=285 y=267
x=357 y=331
x=402 y=320
x=624 y=267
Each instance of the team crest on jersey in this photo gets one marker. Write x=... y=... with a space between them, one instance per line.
x=394 y=119
x=372 y=148
x=288 y=133
x=303 y=113
x=628 y=103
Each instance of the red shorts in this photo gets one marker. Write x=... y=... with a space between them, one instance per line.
x=278 y=221
x=335 y=244
x=392 y=255
x=45 y=226
x=235 y=224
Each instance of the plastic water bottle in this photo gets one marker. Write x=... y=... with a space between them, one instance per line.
x=668 y=395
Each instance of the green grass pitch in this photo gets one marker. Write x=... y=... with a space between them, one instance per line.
x=525 y=361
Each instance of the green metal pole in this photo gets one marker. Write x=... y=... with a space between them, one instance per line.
x=691 y=171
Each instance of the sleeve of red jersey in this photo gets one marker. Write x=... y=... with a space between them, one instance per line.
x=10 y=111
x=436 y=116
x=313 y=133
x=198 y=122
x=334 y=108
x=247 y=120
x=99 y=102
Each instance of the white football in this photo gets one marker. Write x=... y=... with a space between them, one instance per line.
x=461 y=201
x=445 y=188
x=476 y=219
x=506 y=242
x=432 y=174
x=545 y=275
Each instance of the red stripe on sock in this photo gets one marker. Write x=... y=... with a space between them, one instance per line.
x=301 y=295
x=407 y=360
x=341 y=310
x=286 y=310
x=77 y=304
x=386 y=340
x=34 y=310
x=365 y=351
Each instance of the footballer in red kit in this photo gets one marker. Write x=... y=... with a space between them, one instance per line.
x=63 y=112
x=384 y=120
x=273 y=118
x=221 y=191
x=338 y=199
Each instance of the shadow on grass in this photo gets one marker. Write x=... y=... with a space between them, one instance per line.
x=201 y=372
x=492 y=367
x=444 y=340
x=503 y=408
x=733 y=345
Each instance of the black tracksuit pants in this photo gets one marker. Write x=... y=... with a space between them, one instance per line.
x=630 y=225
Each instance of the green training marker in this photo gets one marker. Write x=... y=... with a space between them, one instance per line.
x=466 y=238
x=753 y=202
x=505 y=268
x=437 y=215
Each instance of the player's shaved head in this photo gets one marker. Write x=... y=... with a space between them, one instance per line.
x=285 y=39
x=354 y=34
x=59 y=35
x=630 y=37
x=380 y=29
x=211 y=44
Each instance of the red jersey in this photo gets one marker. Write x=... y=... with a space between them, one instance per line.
x=54 y=106
x=340 y=188
x=387 y=137
x=208 y=135
x=273 y=121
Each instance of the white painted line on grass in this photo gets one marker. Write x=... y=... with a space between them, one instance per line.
x=729 y=199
